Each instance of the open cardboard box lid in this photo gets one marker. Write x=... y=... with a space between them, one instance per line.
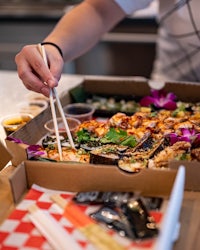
x=34 y=130
x=140 y=87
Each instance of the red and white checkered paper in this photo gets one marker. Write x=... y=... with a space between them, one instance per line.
x=18 y=232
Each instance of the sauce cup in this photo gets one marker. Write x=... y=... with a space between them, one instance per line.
x=13 y=122
x=81 y=111
x=72 y=123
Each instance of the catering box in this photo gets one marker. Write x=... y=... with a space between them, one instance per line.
x=169 y=185
x=34 y=130
x=74 y=178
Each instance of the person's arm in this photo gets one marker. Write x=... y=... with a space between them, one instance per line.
x=75 y=33
x=82 y=27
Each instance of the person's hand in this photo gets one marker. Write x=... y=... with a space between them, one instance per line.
x=33 y=72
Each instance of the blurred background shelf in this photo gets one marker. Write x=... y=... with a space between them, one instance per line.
x=128 y=49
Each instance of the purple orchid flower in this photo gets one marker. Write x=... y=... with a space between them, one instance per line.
x=160 y=99
x=187 y=135
x=18 y=141
x=32 y=150
x=35 y=150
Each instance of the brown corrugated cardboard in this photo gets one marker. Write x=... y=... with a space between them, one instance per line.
x=128 y=86
x=33 y=131
x=29 y=172
x=88 y=177
x=5 y=156
x=192 y=174
x=6 y=198
x=73 y=178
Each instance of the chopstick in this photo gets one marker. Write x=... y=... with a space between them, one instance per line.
x=92 y=231
x=55 y=234
x=54 y=92
x=64 y=119
x=53 y=111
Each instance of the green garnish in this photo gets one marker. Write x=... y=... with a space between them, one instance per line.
x=51 y=146
x=83 y=136
x=154 y=114
x=129 y=141
x=120 y=137
x=179 y=109
x=114 y=136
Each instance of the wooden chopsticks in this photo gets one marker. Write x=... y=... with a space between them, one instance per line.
x=55 y=234
x=91 y=230
x=53 y=92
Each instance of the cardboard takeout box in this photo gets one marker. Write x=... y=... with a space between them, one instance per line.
x=34 y=130
x=77 y=178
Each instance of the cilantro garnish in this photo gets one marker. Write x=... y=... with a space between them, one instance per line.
x=83 y=136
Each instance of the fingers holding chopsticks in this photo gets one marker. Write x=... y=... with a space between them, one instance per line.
x=34 y=72
x=55 y=62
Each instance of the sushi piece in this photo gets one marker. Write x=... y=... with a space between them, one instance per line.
x=107 y=154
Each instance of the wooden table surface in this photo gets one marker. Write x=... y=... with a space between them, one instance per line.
x=190 y=223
